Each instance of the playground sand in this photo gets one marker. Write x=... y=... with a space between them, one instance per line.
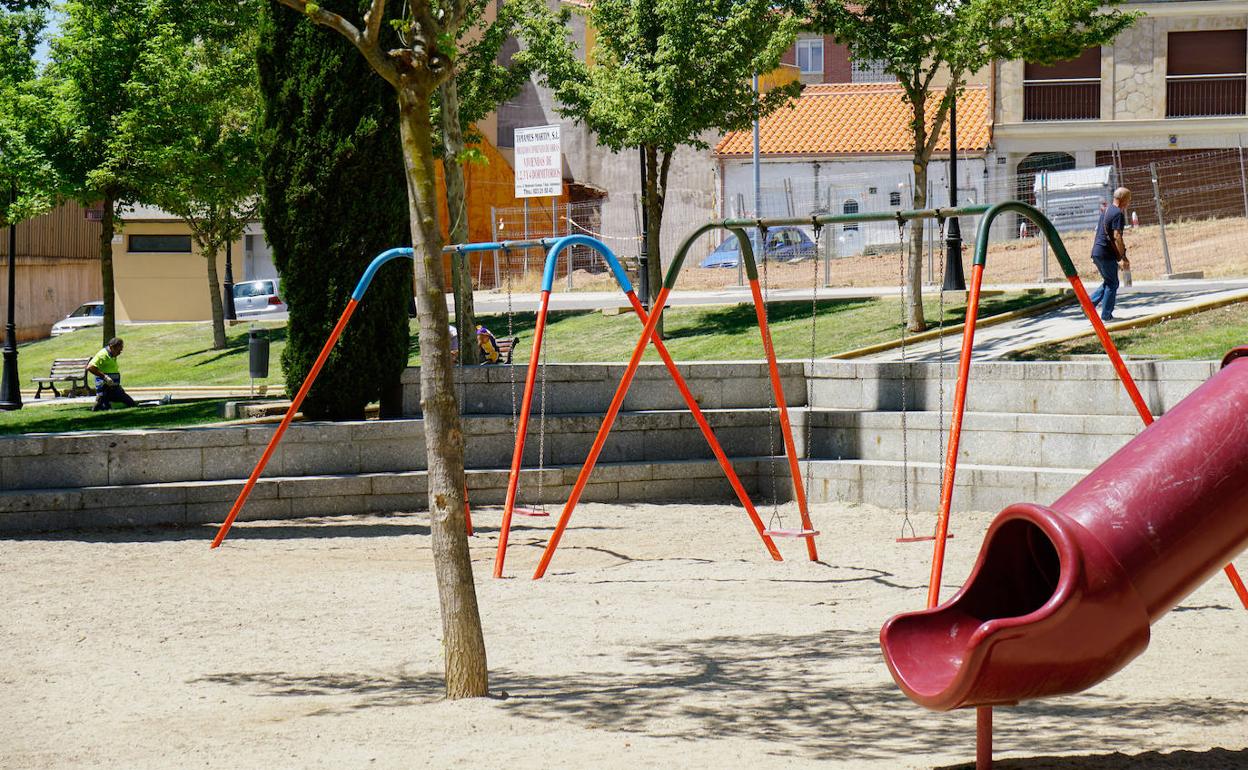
x=663 y=637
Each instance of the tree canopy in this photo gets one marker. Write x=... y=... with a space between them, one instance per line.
x=920 y=42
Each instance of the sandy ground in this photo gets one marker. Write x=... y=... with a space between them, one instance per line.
x=663 y=637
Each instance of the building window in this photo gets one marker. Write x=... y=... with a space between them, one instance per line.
x=162 y=244
x=870 y=71
x=810 y=56
x=850 y=206
x=894 y=198
x=1205 y=73
x=1067 y=90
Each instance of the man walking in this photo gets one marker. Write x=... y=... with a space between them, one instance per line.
x=108 y=377
x=1108 y=249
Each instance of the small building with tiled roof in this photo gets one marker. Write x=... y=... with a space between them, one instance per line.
x=847 y=147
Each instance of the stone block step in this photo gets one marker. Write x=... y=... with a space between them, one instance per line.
x=1031 y=387
x=996 y=438
x=185 y=503
x=977 y=487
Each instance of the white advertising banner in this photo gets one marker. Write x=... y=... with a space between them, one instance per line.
x=539 y=162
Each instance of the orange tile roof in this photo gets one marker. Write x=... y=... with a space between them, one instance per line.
x=858 y=119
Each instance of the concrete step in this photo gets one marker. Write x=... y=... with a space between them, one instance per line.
x=1067 y=387
x=977 y=487
x=319 y=449
x=281 y=497
x=993 y=438
x=588 y=388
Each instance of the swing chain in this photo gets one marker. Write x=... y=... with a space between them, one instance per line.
x=776 y=519
x=905 y=437
x=541 y=429
x=810 y=373
x=940 y=366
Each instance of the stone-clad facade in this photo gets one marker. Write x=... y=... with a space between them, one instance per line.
x=1132 y=95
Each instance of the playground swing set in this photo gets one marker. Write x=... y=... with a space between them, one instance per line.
x=1060 y=597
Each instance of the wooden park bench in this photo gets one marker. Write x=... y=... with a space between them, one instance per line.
x=505 y=348
x=71 y=370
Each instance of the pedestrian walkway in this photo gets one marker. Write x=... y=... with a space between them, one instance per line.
x=1152 y=299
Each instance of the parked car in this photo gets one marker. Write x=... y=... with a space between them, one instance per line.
x=89 y=314
x=253 y=298
x=784 y=244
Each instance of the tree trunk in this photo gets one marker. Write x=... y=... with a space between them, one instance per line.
x=656 y=183
x=457 y=207
x=914 y=267
x=106 y=269
x=214 y=294
x=462 y=640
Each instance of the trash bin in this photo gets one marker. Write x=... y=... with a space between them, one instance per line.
x=258 y=353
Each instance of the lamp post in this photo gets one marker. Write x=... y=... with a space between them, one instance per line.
x=955 y=280
x=643 y=258
x=228 y=287
x=10 y=383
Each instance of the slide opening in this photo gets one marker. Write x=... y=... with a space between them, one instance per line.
x=1019 y=575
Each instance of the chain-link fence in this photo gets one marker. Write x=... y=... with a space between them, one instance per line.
x=1189 y=214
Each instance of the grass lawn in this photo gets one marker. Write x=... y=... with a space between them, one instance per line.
x=161 y=354
x=70 y=417
x=730 y=332
x=182 y=354
x=1201 y=336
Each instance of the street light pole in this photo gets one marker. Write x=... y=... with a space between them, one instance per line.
x=228 y=288
x=955 y=280
x=643 y=258
x=10 y=382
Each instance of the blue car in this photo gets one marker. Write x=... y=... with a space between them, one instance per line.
x=784 y=244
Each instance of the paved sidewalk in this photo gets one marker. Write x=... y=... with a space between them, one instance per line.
x=1154 y=298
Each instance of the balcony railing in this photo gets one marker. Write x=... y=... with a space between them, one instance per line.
x=1062 y=99
x=1202 y=96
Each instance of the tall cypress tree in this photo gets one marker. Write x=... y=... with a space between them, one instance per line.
x=334 y=197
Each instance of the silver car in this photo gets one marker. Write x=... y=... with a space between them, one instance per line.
x=88 y=314
x=253 y=298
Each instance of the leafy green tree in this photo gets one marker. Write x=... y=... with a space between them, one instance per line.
x=333 y=198
x=27 y=128
x=666 y=73
x=94 y=57
x=414 y=55
x=478 y=85
x=192 y=125
x=918 y=41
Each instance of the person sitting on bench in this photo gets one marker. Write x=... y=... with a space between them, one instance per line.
x=490 y=353
x=108 y=377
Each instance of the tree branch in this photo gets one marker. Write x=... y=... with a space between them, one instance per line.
x=951 y=93
x=373 y=54
x=372 y=22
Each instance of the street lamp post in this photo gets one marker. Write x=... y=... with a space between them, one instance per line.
x=955 y=280
x=228 y=288
x=10 y=382
x=643 y=258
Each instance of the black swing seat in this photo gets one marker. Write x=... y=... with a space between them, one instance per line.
x=790 y=532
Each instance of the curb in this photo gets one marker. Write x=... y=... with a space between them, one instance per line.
x=1148 y=320
x=1064 y=299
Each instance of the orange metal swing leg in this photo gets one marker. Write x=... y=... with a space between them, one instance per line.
x=607 y=421
x=790 y=448
x=522 y=426
x=705 y=427
x=955 y=435
x=285 y=423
